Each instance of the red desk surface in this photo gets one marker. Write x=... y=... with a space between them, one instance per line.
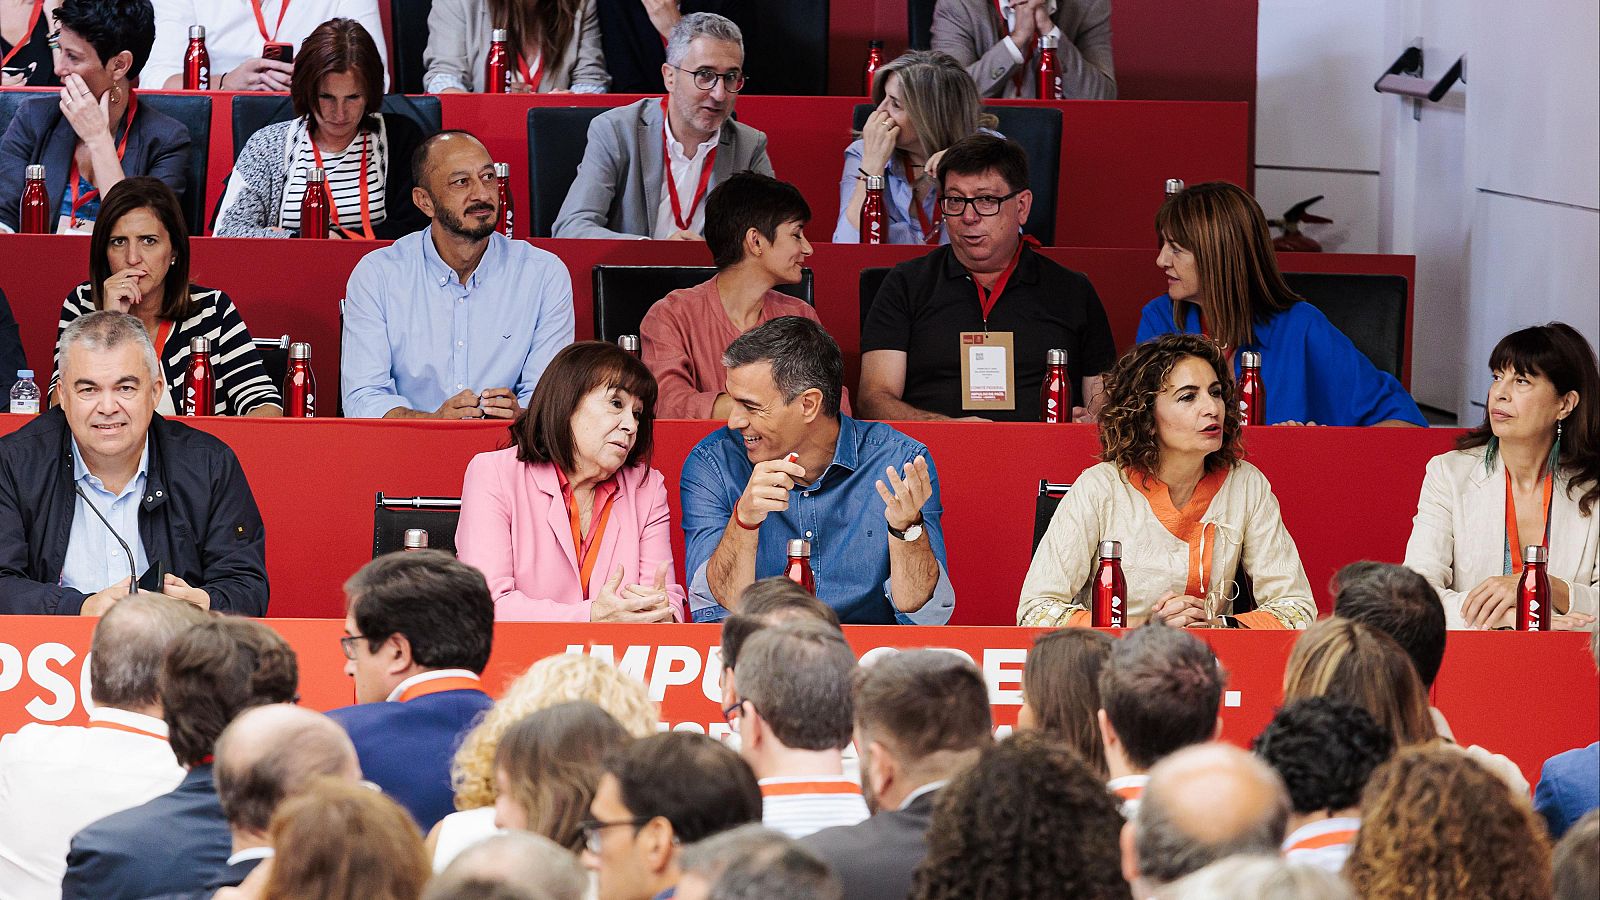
x=1484 y=689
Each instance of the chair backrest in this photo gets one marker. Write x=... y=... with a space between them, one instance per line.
x=785 y=46
x=1044 y=507
x=1038 y=130
x=194 y=111
x=557 y=137
x=274 y=353
x=1369 y=309
x=253 y=112
x=12 y=99
x=871 y=279
x=919 y=23
x=623 y=294
x=393 y=516
x=408 y=34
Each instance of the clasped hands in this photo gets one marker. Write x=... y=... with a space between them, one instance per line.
x=635 y=603
x=493 y=403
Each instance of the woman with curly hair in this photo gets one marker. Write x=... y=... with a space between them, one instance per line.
x=1028 y=820
x=1436 y=824
x=1174 y=489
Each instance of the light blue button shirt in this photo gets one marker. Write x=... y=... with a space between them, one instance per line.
x=415 y=336
x=95 y=560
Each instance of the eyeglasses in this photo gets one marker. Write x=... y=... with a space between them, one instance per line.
x=956 y=207
x=706 y=79
x=348 y=644
x=591 y=829
x=733 y=713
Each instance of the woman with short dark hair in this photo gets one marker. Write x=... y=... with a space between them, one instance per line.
x=570 y=523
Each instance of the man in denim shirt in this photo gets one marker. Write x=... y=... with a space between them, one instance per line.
x=788 y=465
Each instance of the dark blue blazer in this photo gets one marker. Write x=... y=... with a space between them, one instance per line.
x=1569 y=786
x=405 y=748
x=230 y=876
x=158 y=145
x=177 y=842
x=874 y=859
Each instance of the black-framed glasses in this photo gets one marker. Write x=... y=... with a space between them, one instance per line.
x=706 y=79
x=732 y=714
x=348 y=644
x=591 y=829
x=955 y=207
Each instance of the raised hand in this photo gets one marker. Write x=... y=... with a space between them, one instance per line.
x=905 y=494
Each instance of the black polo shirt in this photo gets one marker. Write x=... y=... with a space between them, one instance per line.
x=926 y=303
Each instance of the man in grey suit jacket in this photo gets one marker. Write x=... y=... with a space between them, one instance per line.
x=921 y=718
x=1000 y=55
x=622 y=189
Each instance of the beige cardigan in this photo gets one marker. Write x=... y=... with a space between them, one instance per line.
x=1458 y=537
x=1103 y=505
x=458 y=46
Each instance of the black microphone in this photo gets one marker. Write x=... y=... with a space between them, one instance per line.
x=133 y=567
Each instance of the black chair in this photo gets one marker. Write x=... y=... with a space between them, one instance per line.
x=871 y=280
x=1369 y=309
x=785 y=46
x=1044 y=507
x=408 y=31
x=557 y=137
x=274 y=353
x=1038 y=130
x=393 y=516
x=623 y=294
x=253 y=112
x=11 y=99
x=919 y=23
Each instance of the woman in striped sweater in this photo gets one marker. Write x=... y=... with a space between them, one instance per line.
x=139 y=264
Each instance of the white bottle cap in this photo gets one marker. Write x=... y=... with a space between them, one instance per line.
x=1535 y=553
x=34 y=172
x=874 y=182
x=628 y=342
x=1055 y=357
x=317 y=174
x=24 y=373
x=1110 y=549
x=799 y=547
x=199 y=345
x=1249 y=359
x=416 y=539
x=1174 y=185
x=502 y=170
x=197 y=32
x=499 y=35
x=300 y=350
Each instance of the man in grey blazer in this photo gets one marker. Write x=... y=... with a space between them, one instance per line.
x=921 y=719
x=1000 y=54
x=622 y=189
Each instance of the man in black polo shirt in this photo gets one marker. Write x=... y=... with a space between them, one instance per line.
x=965 y=330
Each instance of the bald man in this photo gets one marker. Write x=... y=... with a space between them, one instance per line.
x=1202 y=804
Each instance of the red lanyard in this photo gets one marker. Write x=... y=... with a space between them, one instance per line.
x=73 y=177
x=531 y=79
x=118 y=726
x=1513 y=533
x=672 y=183
x=930 y=230
x=27 y=36
x=261 y=22
x=333 y=209
x=1027 y=52
x=987 y=299
x=587 y=551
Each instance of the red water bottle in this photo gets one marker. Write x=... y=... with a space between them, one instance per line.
x=497 y=68
x=506 y=224
x=1252 y=391
x=1055 y=398
x=1048 y=70
x=300 y=384
x=1110 y=589
x=630 y=343
x=314 y=208
x=197 y=61
x=1533 y=590
x=799 y=568
x=874 y=61
x=1174 y=185
x=874 y=214
x=34 y=216
x=415 y=539
x=200 y=383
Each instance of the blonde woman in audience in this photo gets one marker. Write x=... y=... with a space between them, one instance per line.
x=547 y=767
x=1530 y=474
x=1175 y=490
x=1346 y=660
x=552 y=680
x=553 y=46
x=1061 y=691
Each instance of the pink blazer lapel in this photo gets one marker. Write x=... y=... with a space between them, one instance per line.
x=548 y=483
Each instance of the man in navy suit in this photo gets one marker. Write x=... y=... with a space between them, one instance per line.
x=417 y=637
x=179 y=841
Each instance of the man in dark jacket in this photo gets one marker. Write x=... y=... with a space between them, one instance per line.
x=102 y=490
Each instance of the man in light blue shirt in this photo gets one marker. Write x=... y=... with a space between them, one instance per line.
x=456 y=321
x=94 y=557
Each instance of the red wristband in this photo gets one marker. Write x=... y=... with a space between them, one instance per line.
x=740 y=522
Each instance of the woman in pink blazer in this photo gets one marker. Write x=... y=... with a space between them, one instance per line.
x=570 y=524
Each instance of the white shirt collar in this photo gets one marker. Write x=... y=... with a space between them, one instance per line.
x=423 y=677
x=250 y=853
x=82 y=475
x=928 y=788
x=675 y=147
x=129 y=719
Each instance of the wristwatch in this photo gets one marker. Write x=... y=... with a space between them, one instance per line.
x=910 y=534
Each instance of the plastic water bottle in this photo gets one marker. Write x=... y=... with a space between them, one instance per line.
x=25 y=394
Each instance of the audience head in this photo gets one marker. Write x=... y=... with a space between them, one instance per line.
x=1028 y=819
x=592 y=411
x=766 y=602
x=1257 y=877
x=1435 y=823
x=783 y=375
x=141 y=226
x=547 y=767
x=655 y=795
x=1398 y=602
x=1343 y=659
x=456 y=186
x=1061 y=690
x=794 y=692
x=753 y=862
x=1324 y=750
x=101 y=354
x=559 y=678
x=921 y=716
x=983 y=193
x=130 y=643
x=1172 y=394
x=1203 y=804
x=104 y=42
x=1217 y=254
x=339 y=840
x=414 y=612
x=511 y=865
x=338 y=79
x=1576 y=861
x=1159 y=692
x=271 y=752
x=704 y=53
x=930 y=97
x=213 y=672
x=758 y=219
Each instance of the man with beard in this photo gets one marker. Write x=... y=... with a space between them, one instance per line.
x=455 y=321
